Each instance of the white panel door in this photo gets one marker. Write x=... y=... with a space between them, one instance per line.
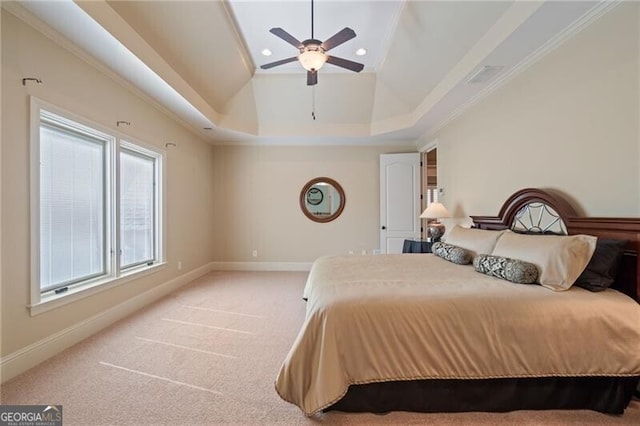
x=399 y=200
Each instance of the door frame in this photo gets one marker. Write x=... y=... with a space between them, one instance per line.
x=427 y=148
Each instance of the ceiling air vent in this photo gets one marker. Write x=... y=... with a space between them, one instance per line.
x=485 y=73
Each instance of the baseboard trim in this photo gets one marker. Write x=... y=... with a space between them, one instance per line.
x=262 y=266
x=23 y=359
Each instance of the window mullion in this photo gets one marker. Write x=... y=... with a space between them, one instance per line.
x=115 y=210
x=156 y=209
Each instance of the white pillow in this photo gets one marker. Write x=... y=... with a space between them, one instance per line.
x=476 y=241
x=560 y=259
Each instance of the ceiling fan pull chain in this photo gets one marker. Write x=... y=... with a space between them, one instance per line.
x=313 y=102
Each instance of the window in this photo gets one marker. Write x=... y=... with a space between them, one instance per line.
x=72 y=204
x=137 y=212
x=96 y=206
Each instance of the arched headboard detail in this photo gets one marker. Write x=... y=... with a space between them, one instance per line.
x=518 y=201
x=628 y=279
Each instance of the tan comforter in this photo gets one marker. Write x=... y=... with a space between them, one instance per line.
x=404 y=317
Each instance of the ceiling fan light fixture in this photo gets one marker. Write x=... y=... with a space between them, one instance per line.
x=312 y=59
x=312 y=52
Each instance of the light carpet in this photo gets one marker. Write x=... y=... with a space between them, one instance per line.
x=208 y=354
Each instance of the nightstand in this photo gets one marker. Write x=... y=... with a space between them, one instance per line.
x=418 y=246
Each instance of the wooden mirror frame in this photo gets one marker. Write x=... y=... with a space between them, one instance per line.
x=303 y=200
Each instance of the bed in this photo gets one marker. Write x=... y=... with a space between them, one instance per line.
x=422 y=333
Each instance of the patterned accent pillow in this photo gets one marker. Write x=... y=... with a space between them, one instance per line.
x=451 y=253
x=512 y=270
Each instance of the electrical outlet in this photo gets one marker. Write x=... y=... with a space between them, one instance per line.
x=179 y=265
x=255 y=253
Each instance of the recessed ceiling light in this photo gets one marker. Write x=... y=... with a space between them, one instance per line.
x=266 y=52
x=361 y=52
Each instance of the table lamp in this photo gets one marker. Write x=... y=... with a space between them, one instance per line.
x=434 y=211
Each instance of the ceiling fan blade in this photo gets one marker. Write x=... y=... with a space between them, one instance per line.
x=338 y=38
x=312 y=78
x=286 y=37
x=345 y=63
x=280 y=62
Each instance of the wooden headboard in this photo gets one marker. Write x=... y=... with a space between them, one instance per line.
x=627 y=280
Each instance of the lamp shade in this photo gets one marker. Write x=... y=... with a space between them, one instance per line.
x=434 y=211
x=312 y=60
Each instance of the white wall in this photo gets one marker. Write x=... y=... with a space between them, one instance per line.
x=569 y=122
x=72 y=84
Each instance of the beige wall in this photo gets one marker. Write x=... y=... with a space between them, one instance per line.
x=72 y=84
x=1 y=232
x=258 y=202
x=569 y=122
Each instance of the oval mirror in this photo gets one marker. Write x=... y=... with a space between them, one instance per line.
x=322 y=199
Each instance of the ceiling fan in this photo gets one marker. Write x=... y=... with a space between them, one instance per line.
x=313 y=54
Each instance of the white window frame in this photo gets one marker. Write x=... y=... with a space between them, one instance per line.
x=114 y=276
x=136 y=149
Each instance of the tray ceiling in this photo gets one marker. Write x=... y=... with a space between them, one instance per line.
x=200 y=60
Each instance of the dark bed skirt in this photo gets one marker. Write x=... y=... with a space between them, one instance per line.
x=604 y=394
